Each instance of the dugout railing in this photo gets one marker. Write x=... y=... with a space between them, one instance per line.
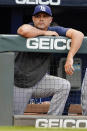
x=12 y=43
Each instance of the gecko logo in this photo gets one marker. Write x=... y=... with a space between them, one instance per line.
x=62 y=123
x=48 y=43
x=46 y=2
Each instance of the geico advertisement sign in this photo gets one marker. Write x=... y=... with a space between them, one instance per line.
x=48 y=44
x=49 y=123
x=46 y=2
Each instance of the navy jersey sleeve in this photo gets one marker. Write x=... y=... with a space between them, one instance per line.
x=59 y=29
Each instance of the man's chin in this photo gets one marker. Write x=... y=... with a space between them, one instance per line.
x=41 y=28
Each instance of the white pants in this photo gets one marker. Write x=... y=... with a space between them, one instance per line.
x=49 y=86
x=84 y=94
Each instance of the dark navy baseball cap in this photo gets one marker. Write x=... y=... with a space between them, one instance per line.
x=42 y=8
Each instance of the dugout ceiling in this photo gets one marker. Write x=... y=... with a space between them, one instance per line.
x=51 y=2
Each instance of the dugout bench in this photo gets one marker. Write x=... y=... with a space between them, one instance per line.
x=12 y=43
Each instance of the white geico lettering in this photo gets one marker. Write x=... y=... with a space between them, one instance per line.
x=48 y=43
x=51 y=2
x=49 y=123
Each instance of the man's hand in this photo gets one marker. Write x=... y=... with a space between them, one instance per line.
x=50 y=33
x=69 y=66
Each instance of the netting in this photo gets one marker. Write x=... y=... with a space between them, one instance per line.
x=39 y=103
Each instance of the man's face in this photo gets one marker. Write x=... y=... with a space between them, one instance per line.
x=42 y=20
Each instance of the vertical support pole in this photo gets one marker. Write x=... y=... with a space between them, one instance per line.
x=6 y=87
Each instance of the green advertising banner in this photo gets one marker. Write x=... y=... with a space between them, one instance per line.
x=38 y=44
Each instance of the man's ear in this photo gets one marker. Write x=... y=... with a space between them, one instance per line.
x=33 y=18
x=51 y=19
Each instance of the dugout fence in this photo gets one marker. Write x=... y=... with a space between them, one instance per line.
x=12 y=43
x=67 y=13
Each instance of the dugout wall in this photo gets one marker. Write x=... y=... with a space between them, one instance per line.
x=68 y=13
x=12 y=43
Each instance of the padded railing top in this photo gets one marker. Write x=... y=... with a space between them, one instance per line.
x=39 y=44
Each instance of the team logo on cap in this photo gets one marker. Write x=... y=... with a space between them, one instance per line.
x=42 y=8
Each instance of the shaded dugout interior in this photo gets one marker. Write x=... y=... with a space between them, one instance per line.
x=74 y=17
